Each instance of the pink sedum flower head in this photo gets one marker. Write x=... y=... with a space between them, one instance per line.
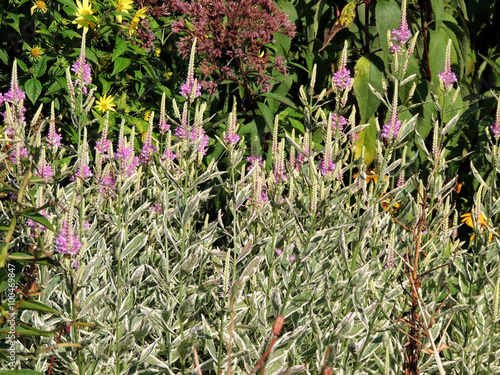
x=447 y=77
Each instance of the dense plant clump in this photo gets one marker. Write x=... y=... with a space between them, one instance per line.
x=232 y=38
x=248 y=186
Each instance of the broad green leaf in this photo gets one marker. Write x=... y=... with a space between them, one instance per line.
x=69 y=33
x=461 y=42
x=437 y=47
x=69 y=3
x=367 y=140
x=4 y=57
x=54 y=87
x=20 y=372
x=33 y=305
x=282 y=44
x=22 y=65
x=33 y=88
x=40 y=219
x=120 y=64
x=289 y=9
x=106 y=85
x=438 y=9
x=120 y=47
x=387 y=17
x=267 y=114
x=368 y=70
x=492 y=63
x=280 y=98
x=16 y=18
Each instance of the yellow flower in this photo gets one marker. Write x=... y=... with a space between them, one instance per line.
x=123 y=6
x=39 y=7
x=34 y=53
x=371 y=175
x=157 y=52
x=147 y=115
x=84 y=9
x=134 y=24
x=105 y=103
x=467 y=219
x=387 y=203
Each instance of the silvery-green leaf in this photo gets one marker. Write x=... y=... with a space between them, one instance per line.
x=252 y=267
x=451 y=123
x=133 y=247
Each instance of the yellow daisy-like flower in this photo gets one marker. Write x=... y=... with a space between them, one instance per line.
x=105 y=103
x=123 y=6
x=39 y=7
x=371 y=175
x=134 y=24
x=387 y=203
x=84 y=9
x=467 y=219
x=34 y=53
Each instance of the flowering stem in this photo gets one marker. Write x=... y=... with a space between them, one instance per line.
x=12 y=226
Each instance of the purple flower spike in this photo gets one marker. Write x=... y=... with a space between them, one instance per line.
x=342 y=78
x=81 y=68
x=495 y=128
x=53 y=139
x=66 y=241
x=401 y=35
x=447 y=76
x=390 y=130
